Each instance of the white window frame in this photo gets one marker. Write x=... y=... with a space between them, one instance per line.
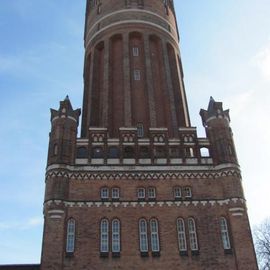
x=104 y=193
x=225 y=234
x=137 y=75
x=140 y=131
x=143 y=235
x=135 y=51
x=116 y=237
x=181 y=231
x=193 y=239
x=151 y=193
x=141 y=193
x=104 y=236
x=115 y=193
x=177 y=192
x=154 y=235
x=187 y=192
x=71 y=229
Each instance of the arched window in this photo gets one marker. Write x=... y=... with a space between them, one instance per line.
x=104 y=193
x=116 y=236
x=151 y=192
x=97 y=152
x=55 y=149
x=225 y=234
x=104 y=236
x=70 y=245
x=177 y=193
x=192 y=235
x=154 y=235
x=143 y=235
x=182 y=242
x=187 y=192
x=115 y=193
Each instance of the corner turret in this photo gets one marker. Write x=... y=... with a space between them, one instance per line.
x=63 y=133
x=217 y=125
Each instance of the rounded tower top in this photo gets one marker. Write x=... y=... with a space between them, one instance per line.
x=102 y=15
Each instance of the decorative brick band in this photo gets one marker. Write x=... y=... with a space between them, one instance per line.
x=139 y=175
x=133 y=204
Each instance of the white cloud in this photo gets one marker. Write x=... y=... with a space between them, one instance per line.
x=24 y=225
x=262 y=61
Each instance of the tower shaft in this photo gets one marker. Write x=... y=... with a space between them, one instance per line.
x=133 y=74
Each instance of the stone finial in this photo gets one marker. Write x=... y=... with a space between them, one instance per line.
x=214 y=111
x=66 y=110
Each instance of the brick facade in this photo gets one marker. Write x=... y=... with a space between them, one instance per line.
x=136 y=136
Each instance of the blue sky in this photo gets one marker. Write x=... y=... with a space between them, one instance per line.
x=225 y=48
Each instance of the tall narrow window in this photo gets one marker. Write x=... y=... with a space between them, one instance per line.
x=154 y=235
x=116 y=193
x=143 y=236
x=187 y=192
x=225 y=234
x=116 y=236
x=70 y=246
x=177 y=193
x=135 y=51
x=151 y=193
x=141 y=193
x=104 y=236
x=192 y=235
x=137 y=75
x=181 y=235
x=140 y=131
x=104 y=193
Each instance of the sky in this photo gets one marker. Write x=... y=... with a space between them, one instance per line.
x=225 y=47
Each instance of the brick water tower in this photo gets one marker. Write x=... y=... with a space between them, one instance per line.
x=138 y=189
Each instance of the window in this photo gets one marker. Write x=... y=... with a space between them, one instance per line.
x=70 y=245
x=137 y=75
x=113 y=152
x=144 y=152
x=181 y=235
x=141 y=193
x=192 y=235
x=189 y=152
x=143 y=235
x=104 y=239
x=116 y=236
x=225 y=234
x=177 y=193
x=115 y=193
x=204 y=152
x=151 y=193
x=129 y=152
x=187 y=192
x=140 y=131
x=82 y=152
x=154 y=235
x=97 y=152
x=104 y=193
x=55 y=149
x=135 y=51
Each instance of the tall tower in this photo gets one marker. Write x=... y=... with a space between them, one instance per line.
x=138 y=189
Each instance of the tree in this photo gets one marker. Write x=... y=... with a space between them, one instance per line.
x=262 y=244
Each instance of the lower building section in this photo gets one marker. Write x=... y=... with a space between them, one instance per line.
x=148 y=235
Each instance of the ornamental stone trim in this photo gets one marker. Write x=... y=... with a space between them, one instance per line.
x=132 y=204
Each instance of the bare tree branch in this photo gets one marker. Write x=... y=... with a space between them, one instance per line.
x=262 y=244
